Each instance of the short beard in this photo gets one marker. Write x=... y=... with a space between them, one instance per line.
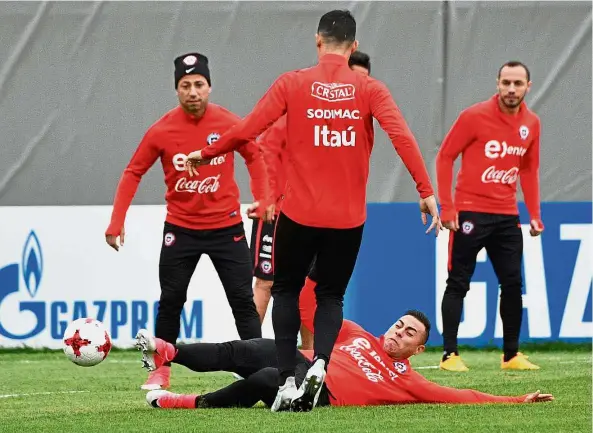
x=195 y=111
x=515 y=105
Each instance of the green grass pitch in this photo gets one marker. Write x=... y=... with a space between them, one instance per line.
x=37 y=395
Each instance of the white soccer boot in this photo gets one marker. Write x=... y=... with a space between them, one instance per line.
x=308 y=393
x=285 y=395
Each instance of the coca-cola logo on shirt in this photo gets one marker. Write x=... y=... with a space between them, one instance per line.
x=502 y=176
x=204 y=186
x=368 y=360
x=332 y=92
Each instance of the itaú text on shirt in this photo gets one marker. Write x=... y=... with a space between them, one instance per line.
x=324 y=136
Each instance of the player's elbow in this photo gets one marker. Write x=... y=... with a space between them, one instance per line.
x=132 y=173
x=444 y=160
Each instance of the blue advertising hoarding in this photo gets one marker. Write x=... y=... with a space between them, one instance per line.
x=400 y=267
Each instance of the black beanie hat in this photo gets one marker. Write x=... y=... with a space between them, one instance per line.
x=191 y=63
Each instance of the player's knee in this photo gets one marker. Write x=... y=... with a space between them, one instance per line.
x=290 y=290
x=263 y=285
x=264 y=378
x=170 y=305
x=457 y=286
x=336 y=299
x=242 y=303
x=511 y=287
x=330 y=292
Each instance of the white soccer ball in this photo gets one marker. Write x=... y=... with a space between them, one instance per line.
x=86 y=342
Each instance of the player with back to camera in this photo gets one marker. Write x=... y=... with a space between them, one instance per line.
x=262 y=233
x=324 y=208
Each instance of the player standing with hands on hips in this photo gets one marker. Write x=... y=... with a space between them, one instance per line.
x=203 y=212
x=330 y=111
x=500 y=142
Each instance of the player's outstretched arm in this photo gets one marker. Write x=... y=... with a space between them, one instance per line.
x=259 y=180
x=145 y=156
x=536 y=397
x=529 y=177
x=391 y=120
x=457 y=139
x=424 y=391
x=268 y=109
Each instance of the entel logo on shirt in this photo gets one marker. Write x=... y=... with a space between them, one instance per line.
x=494 y=149
x=180 y=158
x=332 y=92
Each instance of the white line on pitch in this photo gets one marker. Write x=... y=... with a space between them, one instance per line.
x=40 y=393
x=117 y=361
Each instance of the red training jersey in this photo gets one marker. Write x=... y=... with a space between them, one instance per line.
x=329 y=122
x=497 y=149
x=274 y=142
x=208 y=201
x=361 y=373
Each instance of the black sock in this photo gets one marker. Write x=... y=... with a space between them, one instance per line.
x=285 y=375
x=509 y=355
x=328 y=321
x=511 y=313
x=446 y=354
x=451 y=309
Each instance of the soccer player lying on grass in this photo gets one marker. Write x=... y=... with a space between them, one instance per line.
x=365 y=370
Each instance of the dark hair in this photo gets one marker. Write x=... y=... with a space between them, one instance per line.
x=422 y=318
x=514 y=64
x=358 y=58
x=337 y=27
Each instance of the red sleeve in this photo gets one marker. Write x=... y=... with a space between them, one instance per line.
x=308 y=305
x=257 y=171
x=268 y=109
x=273 y=140
x=425 y=391
x=391 y=120
x=145 y=156
x=529 y=176
x=457 y=139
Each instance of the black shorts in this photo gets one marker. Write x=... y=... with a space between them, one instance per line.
x=262 y=240
x=262 y=251
x=502 y=238
x=180 y=253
